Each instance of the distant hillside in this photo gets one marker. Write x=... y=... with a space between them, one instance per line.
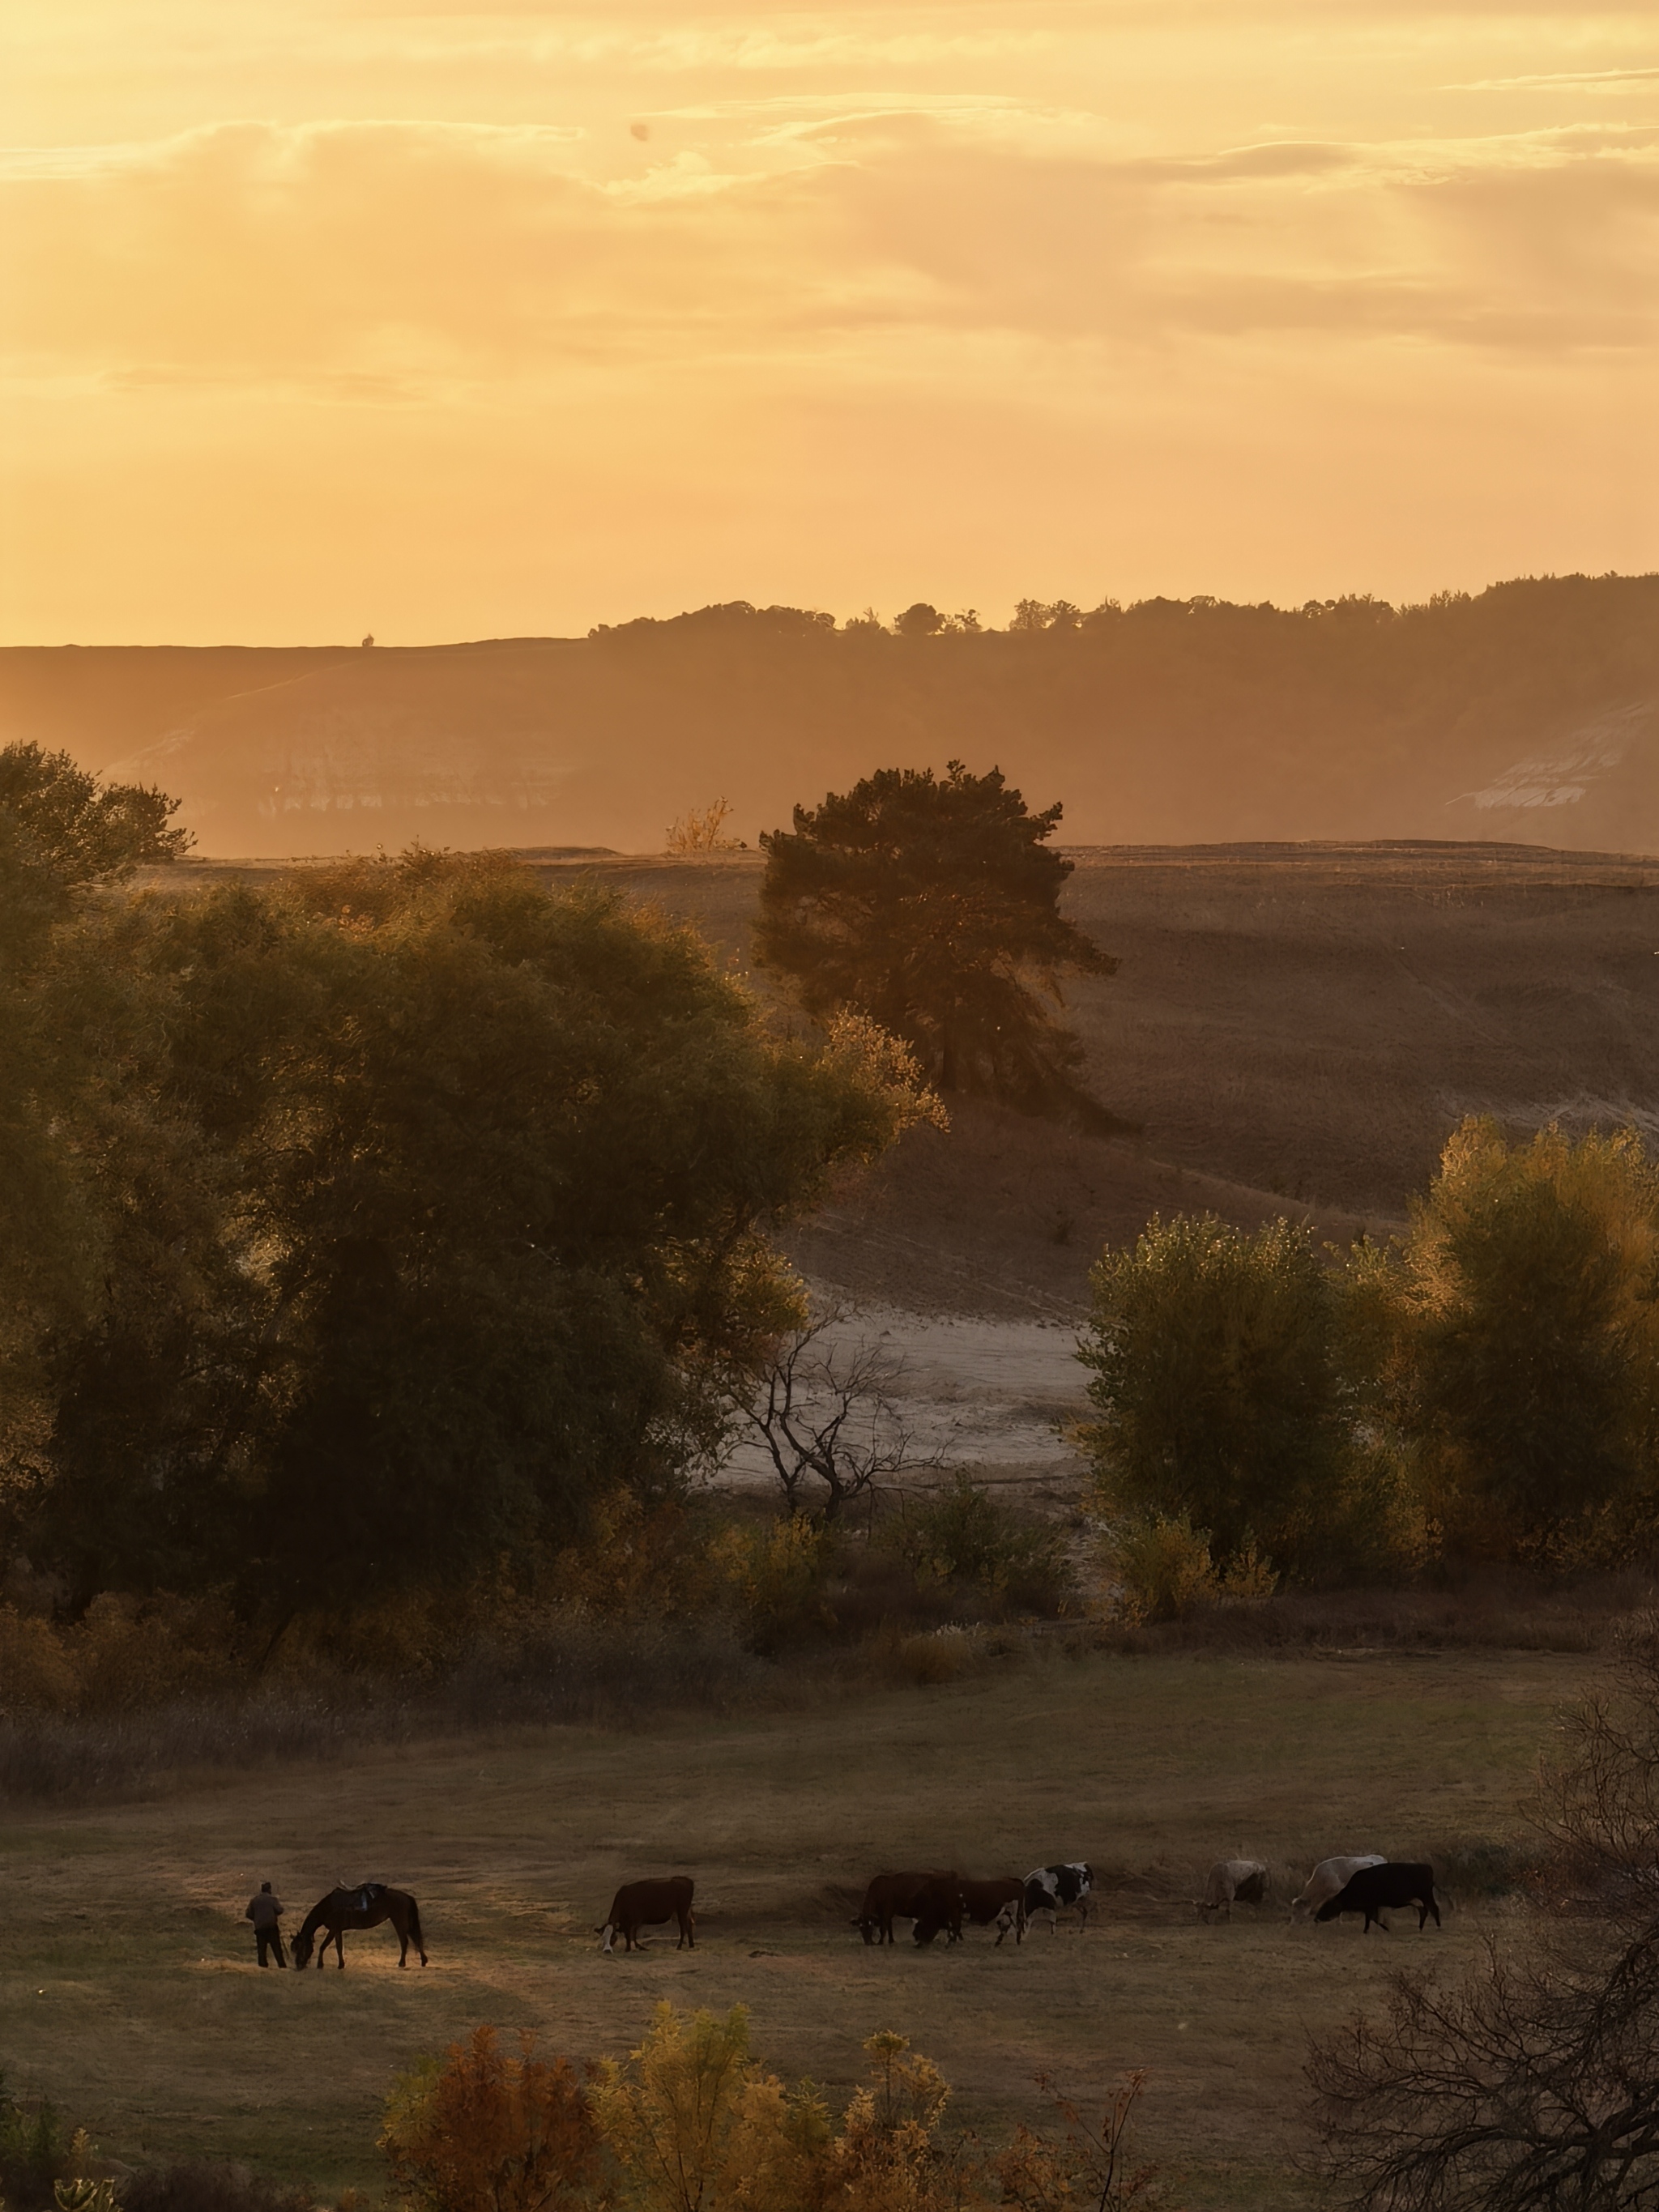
x=1530 y=713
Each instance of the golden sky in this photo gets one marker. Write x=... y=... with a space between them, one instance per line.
x=329 y=316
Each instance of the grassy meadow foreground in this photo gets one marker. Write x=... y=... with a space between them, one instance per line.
x=128 y=1991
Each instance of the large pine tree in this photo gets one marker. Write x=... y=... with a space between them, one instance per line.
x=932 y=904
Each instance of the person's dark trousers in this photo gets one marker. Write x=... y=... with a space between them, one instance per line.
x=269 y=1938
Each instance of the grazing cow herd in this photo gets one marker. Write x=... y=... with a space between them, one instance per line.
x=935 y=1902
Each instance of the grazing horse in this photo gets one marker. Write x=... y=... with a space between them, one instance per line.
x=366 y=1906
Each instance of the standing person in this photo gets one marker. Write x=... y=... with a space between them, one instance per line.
x=265 y=1911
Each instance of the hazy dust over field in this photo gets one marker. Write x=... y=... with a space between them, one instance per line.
x=1529 y=710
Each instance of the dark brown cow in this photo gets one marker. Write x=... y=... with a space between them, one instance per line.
x=933 y=1895
x=940 y=1906
x=639 y=1904
x=999 y=1902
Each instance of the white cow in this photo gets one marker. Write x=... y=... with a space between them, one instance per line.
x=1243 y=1880
x=1328 y=1878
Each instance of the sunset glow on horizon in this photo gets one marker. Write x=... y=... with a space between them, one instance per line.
x=501 y=319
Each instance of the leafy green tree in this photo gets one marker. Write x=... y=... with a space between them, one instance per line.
x=62 y=835
x=1518 y=1332
x=435 y=1204
x=1218 y=1378
x=932 y=905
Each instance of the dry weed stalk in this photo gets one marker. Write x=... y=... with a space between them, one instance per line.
x=1087 y=2164
x=699 y=831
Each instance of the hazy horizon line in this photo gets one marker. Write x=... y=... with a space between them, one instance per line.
x=958 y=622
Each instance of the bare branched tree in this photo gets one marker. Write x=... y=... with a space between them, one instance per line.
x=1531 y=2087
x=1534 y=2085
x=827 y=1416
x=1599 y=1804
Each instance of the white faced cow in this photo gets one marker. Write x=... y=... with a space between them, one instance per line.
x=1328 y=1878
x=1243 y=1881
x=1054 y=1889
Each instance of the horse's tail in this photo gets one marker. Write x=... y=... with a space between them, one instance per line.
x=415 y=1925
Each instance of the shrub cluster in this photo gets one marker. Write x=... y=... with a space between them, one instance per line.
x=34 y=2150
x=697 y=1603
x=692 y=2123
x=1485 y=1390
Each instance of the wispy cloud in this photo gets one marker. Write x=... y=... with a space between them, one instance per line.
x=929 y=267
x=346 y=250
x=1613 y=80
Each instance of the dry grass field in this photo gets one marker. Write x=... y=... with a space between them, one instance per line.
x=127 y=1990
x=1293 y=1029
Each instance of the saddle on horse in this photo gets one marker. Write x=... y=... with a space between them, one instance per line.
x=357 y=1897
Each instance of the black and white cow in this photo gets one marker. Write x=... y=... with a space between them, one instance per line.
x=1054 y=1889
